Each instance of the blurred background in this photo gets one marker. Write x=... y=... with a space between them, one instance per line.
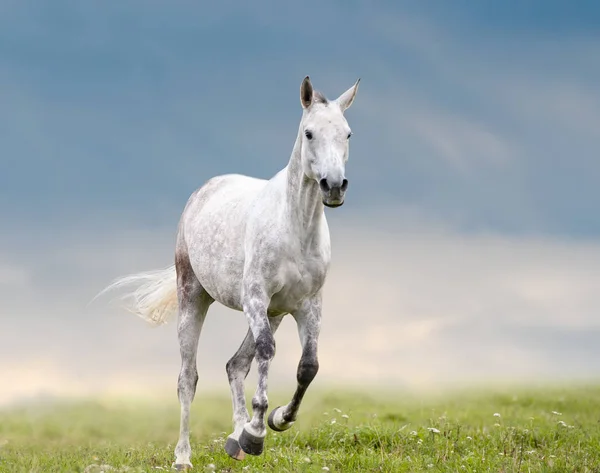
x=468 y=250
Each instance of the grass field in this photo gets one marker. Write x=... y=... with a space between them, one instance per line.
x=507 y=430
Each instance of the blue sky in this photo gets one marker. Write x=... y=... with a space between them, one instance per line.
x=484 y=116
x=469 y=244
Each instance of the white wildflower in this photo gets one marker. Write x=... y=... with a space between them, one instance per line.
x=562 y=422
x=557 y=413
x=333 y=421
x=325 y=468
x=469 y=438
x=307 y=460
x=433 y=430
x=414 y=432
x=345 y=416
x=497 y=414
x=337 y=410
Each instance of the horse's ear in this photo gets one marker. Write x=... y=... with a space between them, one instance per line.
x=346 y=99
x=306 y=93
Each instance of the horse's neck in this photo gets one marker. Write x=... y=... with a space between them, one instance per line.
x=303 y=197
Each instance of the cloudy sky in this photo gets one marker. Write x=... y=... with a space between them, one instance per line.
x=469 y=245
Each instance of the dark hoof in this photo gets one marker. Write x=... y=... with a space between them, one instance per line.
x=281 y=428
x=233 y=449
x=272 y=423
x=250 y=444
x=182 y=466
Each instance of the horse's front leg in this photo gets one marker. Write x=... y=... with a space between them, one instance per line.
x=256 y=303
x=237 y=370
x=308 y=319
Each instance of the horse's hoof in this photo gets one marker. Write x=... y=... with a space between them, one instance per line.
x=182 y=466
x=251 y=444
x=279 y=426
x=233 y=449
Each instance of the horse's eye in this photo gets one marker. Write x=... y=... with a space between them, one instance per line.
x=308 y=134
x=349 y=135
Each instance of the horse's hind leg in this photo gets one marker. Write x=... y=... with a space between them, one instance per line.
x=237 y=371
x=309 y=325
x=194 y=302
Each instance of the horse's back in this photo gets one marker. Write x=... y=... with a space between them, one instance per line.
x=212 y=231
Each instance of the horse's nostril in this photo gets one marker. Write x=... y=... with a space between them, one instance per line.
x=344 y=185
x=324 y=185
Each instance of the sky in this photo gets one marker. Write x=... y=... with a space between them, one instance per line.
x=469 y=234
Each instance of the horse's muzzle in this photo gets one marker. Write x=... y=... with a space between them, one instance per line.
x=333 y=193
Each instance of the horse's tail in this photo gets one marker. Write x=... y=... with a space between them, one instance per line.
x=155 y=297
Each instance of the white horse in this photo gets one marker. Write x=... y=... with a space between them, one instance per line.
x=261 y=247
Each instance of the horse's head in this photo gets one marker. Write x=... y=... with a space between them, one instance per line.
x=325 y=140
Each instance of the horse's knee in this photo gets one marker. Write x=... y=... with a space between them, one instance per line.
x=307 y=370
x=265 y=347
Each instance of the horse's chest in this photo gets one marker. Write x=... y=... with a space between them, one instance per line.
x=299 y=279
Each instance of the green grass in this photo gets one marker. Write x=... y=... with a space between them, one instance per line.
x=541 y=429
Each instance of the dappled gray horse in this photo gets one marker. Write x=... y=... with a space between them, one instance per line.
x=262 y=247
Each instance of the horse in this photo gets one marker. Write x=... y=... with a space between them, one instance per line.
x=258 y=246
